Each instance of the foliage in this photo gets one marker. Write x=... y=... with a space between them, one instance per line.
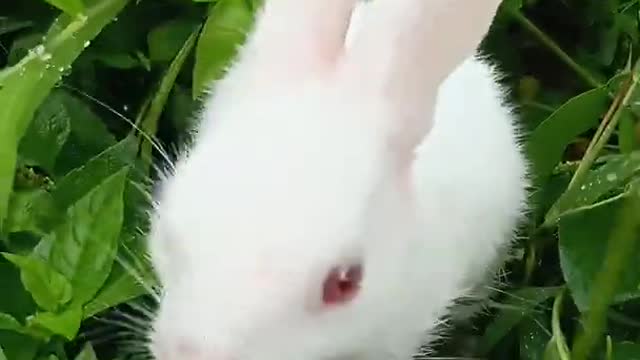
x=89 y=88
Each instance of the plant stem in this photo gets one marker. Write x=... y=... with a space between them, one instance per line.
x=558 y=336
x=551 y=45
x=606 y=128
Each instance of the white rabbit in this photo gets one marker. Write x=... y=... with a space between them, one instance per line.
x=319 y=215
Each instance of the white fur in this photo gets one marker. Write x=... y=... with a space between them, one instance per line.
x=287 y=180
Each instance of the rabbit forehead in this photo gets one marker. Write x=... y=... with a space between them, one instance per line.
x=290 y=185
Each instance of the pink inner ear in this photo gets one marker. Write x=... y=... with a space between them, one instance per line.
x=342 y=285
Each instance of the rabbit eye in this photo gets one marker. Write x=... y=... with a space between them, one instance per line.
x=342 y=284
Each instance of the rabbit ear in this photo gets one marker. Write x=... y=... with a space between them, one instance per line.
x=295 y=37
x=406 y=48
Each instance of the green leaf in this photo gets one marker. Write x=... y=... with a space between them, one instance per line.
x=87 y=353
x=26 y=85
x=18 y=346
x=549 y=140
x=520 y=303
x=626 y=351
x=626 y=132
x=8 y=322
x=167 y=39
x=2 y=355
x=46 y=135
x=119 y=288
x=49 y=289
x=150 y=122
x=28 y=210
x=72 y=7
x=80 y=181
x=84 y=247
x=612 y=175
x=89 y=136
x=65 y=323
x=121 y=61
x=584 y=243
x=534 y=335
x=512 y=4
x=40 y=211
x=224 y=31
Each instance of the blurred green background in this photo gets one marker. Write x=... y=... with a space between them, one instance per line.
x=88 y=89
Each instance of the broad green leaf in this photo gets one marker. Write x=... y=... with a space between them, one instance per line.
x=167 y=39
x=224 y=31
x=84 y=122
x=89 y=136
x=24 y=86
x=626 y=132
x=585 y=238
x=72 y=7
x=8 y=322
x=512 y=4
x=130 y=277
x=609 y=45
x=121 y=61
x=65 y=323
x=534 y=335
x=137 y=200
x=80 y=181
x=119 y=288
x=87 y=353
x=84 y=246
x=28 y=210
x=46 y=135
x=543 y=199
x=49 y=289
x=2 y=355
x=613 y=174
x=519 y=304
x=41 y=211
x=626 y=351
x=549 y=140
x=18 y=346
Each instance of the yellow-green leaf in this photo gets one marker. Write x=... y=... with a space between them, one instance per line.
x=71 y=7
x=84 y=246
x=87 y=353
x=65 y=323
x=49 y=288
x=226 y=29
x=24 y=86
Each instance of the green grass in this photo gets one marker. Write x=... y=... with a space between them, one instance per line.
x=89 y=88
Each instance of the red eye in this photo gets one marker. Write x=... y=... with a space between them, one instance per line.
x=342 y=284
